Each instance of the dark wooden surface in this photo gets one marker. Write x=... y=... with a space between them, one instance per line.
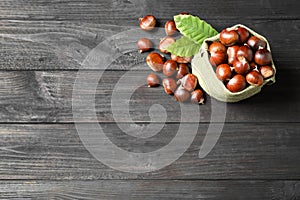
x=44 y=43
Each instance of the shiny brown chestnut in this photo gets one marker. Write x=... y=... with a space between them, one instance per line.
x=263 y=57
x=217 y=53
x=170 y=67
x=241 y=66
x=254 y=42
x=246 y=52
x=197 y=97
x=229 y=37
x=170 y=85
x=266 y=71
x=255 y=78
x=170 y=27
x=223 y=72
x=155 y=61
x=232 y=53
x=189 y=82
x=216 y=47
x=147 y=23
x=243 y=34
x=253 y=65
x=236 y=84
x=217 y=58
x=144 y=45
x=181 y=59
x=164 y=43
x=181 y=95
x=183 y=70
x=184 y=13
x=153 y=80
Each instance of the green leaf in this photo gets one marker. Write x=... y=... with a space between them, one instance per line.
x=194 y=28
x=184 y=47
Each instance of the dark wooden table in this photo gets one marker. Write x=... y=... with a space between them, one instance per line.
x=44 y=43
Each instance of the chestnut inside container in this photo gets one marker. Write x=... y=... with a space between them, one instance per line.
x=208 y=80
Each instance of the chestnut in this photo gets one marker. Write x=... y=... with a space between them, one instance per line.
x=153 y=80
x=189 y=82
x=232 y=53
x=170 y=27
x=147 y=23
x=181 y=95
x=170 y=85
x=144 y=45
x=164 y=43
x=181 y=59
x=197 y=97
x=217 y=47
x=217 y=58
x=170 y=68
x=254 y=42
x=236 y=84
x=155 y=61
x=255 y=78
x=263 y=57
x=229 y=37
x=253 y=65
x=266 y=71
x=223 y=72
x=243 y=34
x=184 y=13
x=246 y=52
x=183 y=70
x=241 y=66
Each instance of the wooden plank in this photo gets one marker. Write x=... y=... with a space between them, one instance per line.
x=55 y=45
x=151 y=189
x=245 y=151
x=40 y=96
x=50 y=45
x=113 y=11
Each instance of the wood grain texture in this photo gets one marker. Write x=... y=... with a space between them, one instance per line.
x=44 y=43
x=116 y=10
x=43 y=96
x=151 y=189
x=55 y=45
x=50 y=45
x=245 y=151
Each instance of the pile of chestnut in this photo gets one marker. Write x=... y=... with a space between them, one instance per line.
x=178 y=80
x=241 y=59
